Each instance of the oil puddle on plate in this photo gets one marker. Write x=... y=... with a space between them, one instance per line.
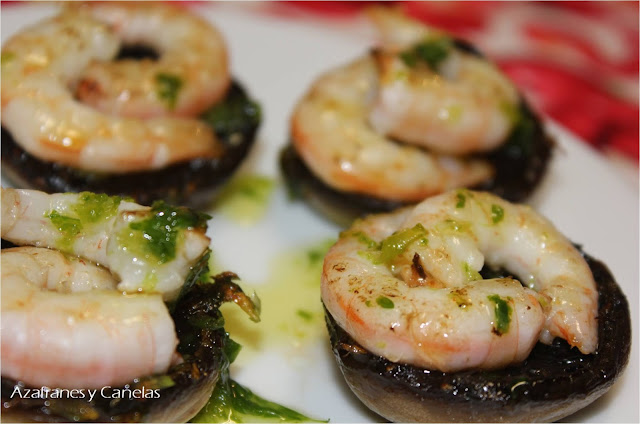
x=292 y=316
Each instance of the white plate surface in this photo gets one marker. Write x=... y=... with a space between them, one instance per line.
x=276 y=58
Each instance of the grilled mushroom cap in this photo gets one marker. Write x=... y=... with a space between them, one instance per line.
x=202 y=347
x=235 y=120
x=553 y=382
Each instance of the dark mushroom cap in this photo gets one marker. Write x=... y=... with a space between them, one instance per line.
x=553 y=382
x=202 y=346
x=235 y=120
x=519 y=163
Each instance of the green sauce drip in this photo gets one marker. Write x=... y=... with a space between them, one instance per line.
x=7 y=57
x=158 y=234
x=245 y=199
x=497 y=213
x=93 y=208
x=67 y=226
x=462 y=199
x=431 y=52
x=472 y=274
x=168 y=87
x=502 y=312
x=231 y=402
x=385 y=302
x=78 y=218
x=394 y=245
x=305 y=315
x=235 y=115
x=511 y=111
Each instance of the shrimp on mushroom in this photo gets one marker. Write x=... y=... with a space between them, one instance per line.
x=407 y=286
x=422 y=113
x=71 y=310
x=42 y=65
x=149 y=249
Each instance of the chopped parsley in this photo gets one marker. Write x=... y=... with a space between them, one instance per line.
x=158 y=233
x=431 y=52
x=472 y=274
x=168 y=88
x=462 y=200
x=502 y=312
x=385 y=302
x=394 y=245
x=67 y=226
x=497 y=213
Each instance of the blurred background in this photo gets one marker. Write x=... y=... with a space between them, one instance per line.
x=575 y=61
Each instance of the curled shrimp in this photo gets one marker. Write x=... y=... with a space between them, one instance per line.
x=149 y=249
x=330 y=132
x=407 y=285
x=403 y=122
x=436 y=95
x=86 y=333
x=43 y=64
x=192 y=54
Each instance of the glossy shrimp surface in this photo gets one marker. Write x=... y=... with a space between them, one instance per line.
x=434 y=94
x=149 y=249
x=407 y=286
x=43 y=65
x=192 y=57
x=64 y=324
x=331 y=133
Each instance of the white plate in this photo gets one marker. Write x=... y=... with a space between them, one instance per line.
x=276 y=58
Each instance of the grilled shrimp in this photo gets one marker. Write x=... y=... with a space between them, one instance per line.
x=42 y=64
x=331 y=133
x=435 y=95
x=64 y=324
x=407 y=286
x=192 y=60
x=149 y=249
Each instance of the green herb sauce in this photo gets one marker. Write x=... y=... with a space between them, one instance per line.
x=79 y=217
x=462 y=200
x=158 y=234
x=245 y=199
x=233 y=116
x=472 y=274
x=502 y=312
x=68 y=228
x=7 y=57
x=292 y=316
x=93 y=208
x=430 y=52
x=168 y=88
x=385 y=302
x=231 y=402
x=497 y=213
x=394 y=245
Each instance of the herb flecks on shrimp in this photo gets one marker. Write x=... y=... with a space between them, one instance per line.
x=65 y=100
x=149 y=248
x=435 y=95
x=420 y=114
x=407 y=285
